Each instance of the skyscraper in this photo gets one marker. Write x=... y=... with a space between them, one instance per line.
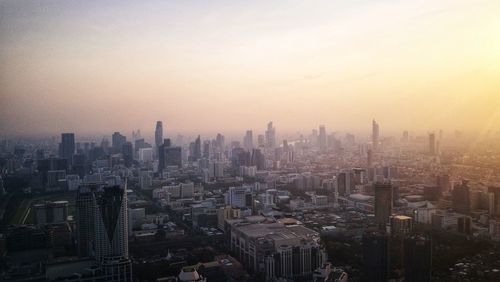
x=375 y=135
x=197 y=149
x=383 y=203
x=417 y=258
x=117 y=141
x=158 y=134
x=322 y=138
x=102 y=229
x=248 y=140
x=432 y=143
x=67 y=146
x=169 y=155
x=128 y=153
x=461 y=198
x=375 y=256
x=270 y=136
x=494 y=201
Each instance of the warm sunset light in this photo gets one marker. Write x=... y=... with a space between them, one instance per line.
x=205 y=64
x=232 y=140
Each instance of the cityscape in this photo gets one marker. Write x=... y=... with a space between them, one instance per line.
x=229 y=141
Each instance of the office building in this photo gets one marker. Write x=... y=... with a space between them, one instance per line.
x=494 y=201
x=51 y=212
x=277 y=251
x=432 y=144
x=322 y=139
x=117 y=141
x=345 y=183
x=158 y=134
x=375 y=135
x=401 y=225
x=461 y=198
x=128 y=153
x=270 y=136
x=383 y=203
x=248 y=141
x=67 y=146
x=145 y=154
x=375 y=256
x=169 y=156
x=102 y=229
x=417 y=258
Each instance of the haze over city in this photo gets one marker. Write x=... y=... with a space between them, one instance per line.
x=207 y=66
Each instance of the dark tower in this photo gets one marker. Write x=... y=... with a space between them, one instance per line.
x=375 y=256
x=417 y=258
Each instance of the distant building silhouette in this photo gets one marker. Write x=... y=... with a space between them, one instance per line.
x=375 y=256
x=417 y=258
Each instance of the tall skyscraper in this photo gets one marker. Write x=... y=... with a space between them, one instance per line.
x=461 y=198
x=67 y=146
x=117 y=141
x=270 y=136
x=417 y=258
x=102 y=229
x=248 y=140
x=197 y=149
x=158 y=134
x=322 y=138
x=375 y=135
x=375 y=256
x=432 y=143
x=128 y=153
x=261 y=140
x=168 y=155
x=344 y=183
x=383 y=203
x=494 y=201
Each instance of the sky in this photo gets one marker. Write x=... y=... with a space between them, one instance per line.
x=227 y=66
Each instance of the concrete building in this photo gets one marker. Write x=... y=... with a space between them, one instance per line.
x=277 y=250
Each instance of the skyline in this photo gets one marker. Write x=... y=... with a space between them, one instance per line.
x=235 y=66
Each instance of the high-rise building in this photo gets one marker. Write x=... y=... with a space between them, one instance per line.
x=494 y=201
x=277 y=250
x=383 y=203
x=102 y=229
x=322 y=139
x=206 y=149
x=261 y=140
x=248 y=140
x=111 y=221
x=344 y=183
x=51 y=212
x=158 y=134
x=220 y=141
x=196 y=150
x=270 y=136
x=169 y=155
x=369 y=156
x=67 y=146
x=117 y=141
x=375 y=256
x=417 y=258
x=375 y=135
x=461 y=198
x=128 y=153
x=401 y=225
x=432 y=143
x=258 y=159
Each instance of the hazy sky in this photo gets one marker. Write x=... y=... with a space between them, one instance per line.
x=100 y=66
